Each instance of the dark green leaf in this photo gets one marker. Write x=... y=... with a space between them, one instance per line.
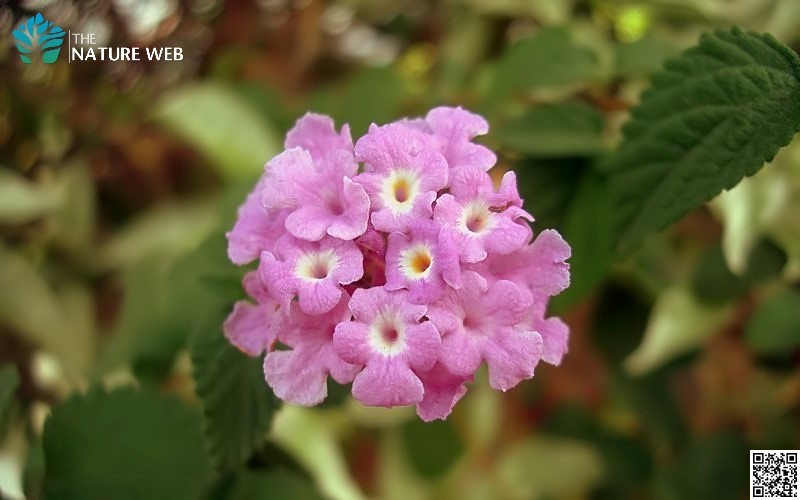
x=548 y=188
x=587 y=228
x=124 y=444
x=271 y=484
x=9 y=381
x=237 y=403
x=712 y=466
x=565 y=129
x=432 y=447
x=774 y=328
x=713 y=115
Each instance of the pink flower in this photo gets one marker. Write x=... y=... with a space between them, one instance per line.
x=249 y=326
x=402 y=177
x=388 y=337
x=482 y=221
x=402 y=276
x=299 y=375
x=256 y=228
x=540 y=267
x=479 y=323
x=311 y=271
x=442 y=391
x=317 y=135
x=422 y=262
x=455 y=128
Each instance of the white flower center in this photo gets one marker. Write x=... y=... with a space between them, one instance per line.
x=416 y=261
x=387 y=334
x=400 y=189
x=476 y=218
x=316 y=266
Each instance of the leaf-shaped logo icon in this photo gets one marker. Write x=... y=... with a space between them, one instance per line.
x=39 y=36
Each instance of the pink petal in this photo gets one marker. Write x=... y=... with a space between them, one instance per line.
x=512 y=358
x=249 y=328
x=295 y=378
x=389 y=383
x=317 y=134
x=442 y=391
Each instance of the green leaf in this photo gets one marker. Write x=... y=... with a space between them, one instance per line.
x=774 y=328
x=432 y=447
x=549 y=58
x=564 y=129
x=713 y=115
x=643 y=57
x=162 y=300
x=713 y=466
x=587 y=228
x=215 y=120
x=32 y=308
x=373 y=95
x=124 y=444
x=9 y=381
x=237 y=403
x=168 y=230
x=534 y=468
x=22 y=200
x=678 y=323
x=271 y=484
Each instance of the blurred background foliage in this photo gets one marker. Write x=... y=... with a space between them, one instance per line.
x=119 y=179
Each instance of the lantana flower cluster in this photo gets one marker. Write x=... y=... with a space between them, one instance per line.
x=394 y=264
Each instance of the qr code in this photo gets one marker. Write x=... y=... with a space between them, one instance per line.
x=773 y=474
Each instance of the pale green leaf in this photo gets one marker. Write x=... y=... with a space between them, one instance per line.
x=643 y=57
x=33 y=308
x=534 y=468
x=216 y=121
x=126 y=444
x=22 y=200
x=237 y=403
x=678 y=324
x=310 y=437
x=165 y=231
x=549 y=58
x=73 y=222
x=713 y=116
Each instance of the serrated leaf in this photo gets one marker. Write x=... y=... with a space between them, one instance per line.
x=774 y=327
x=215 y=120
x=124 y=444
x=238 y=405
x=713 y=115
x=564 y=129
x=678 y=323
